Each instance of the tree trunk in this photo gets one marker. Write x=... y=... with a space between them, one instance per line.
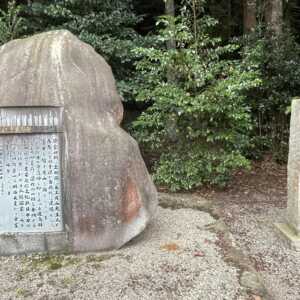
x=249 y=15
x=229 y=19
x=170 y=11
x=274 y=15
x=170 y=8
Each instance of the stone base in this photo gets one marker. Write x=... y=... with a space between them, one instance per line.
x=20 y=243
x=290 y=235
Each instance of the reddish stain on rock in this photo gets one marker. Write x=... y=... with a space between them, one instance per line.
x=87 y=225
x=131 y=202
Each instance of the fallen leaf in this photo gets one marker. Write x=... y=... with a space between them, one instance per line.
x=199 y=254
x=170 y=247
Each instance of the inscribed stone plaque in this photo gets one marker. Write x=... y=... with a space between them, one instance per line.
x=30 y=182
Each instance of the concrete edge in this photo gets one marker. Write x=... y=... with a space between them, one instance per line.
x=289 y=235
x=28 y=243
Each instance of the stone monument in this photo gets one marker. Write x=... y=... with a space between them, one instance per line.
x=70 y=178
x=291 y=230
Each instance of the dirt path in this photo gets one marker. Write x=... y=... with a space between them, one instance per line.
x=250 y=207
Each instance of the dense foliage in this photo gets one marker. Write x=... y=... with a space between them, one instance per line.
x=278 y=59
x=11 y=24
x=210 y=97
x=198 y=121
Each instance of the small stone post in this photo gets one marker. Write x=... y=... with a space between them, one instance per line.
x=291 y=230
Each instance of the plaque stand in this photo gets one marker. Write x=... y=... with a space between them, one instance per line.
x=32 y=217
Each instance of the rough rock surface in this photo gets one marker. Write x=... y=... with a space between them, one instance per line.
x=110 y=196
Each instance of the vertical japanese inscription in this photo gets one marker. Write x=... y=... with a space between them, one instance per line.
x=30 y=196
x=30 y=183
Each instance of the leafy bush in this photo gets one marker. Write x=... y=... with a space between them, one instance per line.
x=11 y=24
x=278 y=58
x=198 y=120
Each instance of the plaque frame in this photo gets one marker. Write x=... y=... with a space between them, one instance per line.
x=38 y=120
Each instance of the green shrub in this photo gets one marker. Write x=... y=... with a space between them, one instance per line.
x=11 y=23
x=198 y=120
x=278 y=58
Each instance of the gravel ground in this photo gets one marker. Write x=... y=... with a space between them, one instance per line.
x=177 y=257
x=252 y=226
x=249 y=206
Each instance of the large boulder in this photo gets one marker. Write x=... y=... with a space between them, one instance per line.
x=109 y=194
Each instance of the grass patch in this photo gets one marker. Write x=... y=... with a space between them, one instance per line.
x=98 y=258
x=51 y=262
x=23 y=293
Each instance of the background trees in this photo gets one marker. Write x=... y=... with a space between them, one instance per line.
x=250 y=14
x=211 y=83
